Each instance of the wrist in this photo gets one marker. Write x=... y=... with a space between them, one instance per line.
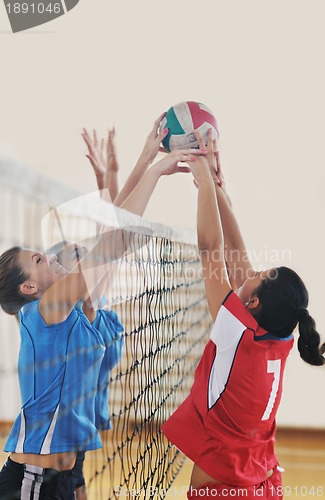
x=155 y=171
x=111 y=173
x=204 y=175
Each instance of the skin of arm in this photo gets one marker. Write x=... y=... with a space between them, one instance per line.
x=136 y=202
x=210 y=237
x=96 y=155
x=148 y=154
x=58 y=300
x=106 y=171
x=239 y=264
x=104 y=164
x=112 y=168
x=236 y=255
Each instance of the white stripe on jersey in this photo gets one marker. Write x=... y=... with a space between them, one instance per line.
x=226 y=334
x=45 y=450
x=22 y=434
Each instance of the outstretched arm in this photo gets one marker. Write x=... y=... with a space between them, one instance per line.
x=139 y=198
x=149 y=153
x=57 y=301
x=236 y=255
x=106 y=170
x=103 y=159
x=210 y=237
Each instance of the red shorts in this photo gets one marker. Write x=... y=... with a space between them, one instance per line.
x=270 y=489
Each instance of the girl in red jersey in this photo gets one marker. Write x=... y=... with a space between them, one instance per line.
x=226 y=426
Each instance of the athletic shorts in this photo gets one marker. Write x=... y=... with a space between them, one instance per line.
x=270 y=489
x=77 y=476
x=29 y=482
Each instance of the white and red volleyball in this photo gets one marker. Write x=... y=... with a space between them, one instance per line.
x=182 y=120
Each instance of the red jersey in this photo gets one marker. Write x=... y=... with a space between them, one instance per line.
x=227 y=423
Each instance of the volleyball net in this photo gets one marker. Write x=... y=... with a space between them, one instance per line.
x=158 y=294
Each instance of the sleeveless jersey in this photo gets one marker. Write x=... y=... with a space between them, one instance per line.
x=227 y=423
x=58 y=371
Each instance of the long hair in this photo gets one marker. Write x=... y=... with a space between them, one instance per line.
x=284 y=301
x=11 y=276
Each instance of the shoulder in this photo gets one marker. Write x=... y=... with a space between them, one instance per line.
x=233 y=319
x=28 y=309
x=29 y=315
x=233 y=308
x=110 y=319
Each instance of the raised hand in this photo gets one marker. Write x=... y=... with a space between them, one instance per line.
x=137 y=201
x=213 y=158
x=211 y=151
x=149 y=153
x=169 y=164
x=111 y=157
x=95 y=155
x=103 y=160
x=152 y=144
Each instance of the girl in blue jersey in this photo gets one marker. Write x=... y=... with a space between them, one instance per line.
x=107 y=323
x=61 y=353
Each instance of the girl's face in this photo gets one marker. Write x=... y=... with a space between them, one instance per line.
x=42 y=271
x=248 y=290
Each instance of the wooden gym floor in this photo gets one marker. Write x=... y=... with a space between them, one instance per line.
x=301 y=453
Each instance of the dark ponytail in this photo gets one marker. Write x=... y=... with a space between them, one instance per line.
x=309 y=340
x=11 y=276
x=284 y=300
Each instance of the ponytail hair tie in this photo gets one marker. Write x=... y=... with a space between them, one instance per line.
x=302 y=313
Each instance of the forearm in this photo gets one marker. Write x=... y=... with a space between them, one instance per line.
x=112 y=244
x=134 y=178
x=235 y=249
x=138 y=200
x=98 y=266
x=211 y=243
x=210 y=234
x=111 y=185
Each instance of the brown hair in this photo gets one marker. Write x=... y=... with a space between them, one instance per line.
x=11 y=276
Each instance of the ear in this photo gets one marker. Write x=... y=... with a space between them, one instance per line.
x=253 y=304
x=28 y=288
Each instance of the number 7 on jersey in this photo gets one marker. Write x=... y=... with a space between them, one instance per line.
x=273 y=366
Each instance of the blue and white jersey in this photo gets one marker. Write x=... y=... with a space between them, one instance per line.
x=59 y=367
x=110 y=328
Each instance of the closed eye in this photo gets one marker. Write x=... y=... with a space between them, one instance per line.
x=38 y=258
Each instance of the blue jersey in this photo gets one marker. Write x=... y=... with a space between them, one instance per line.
x=59 y=367
x=110 y=328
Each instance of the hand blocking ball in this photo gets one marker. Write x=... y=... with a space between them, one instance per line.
x=182 y=120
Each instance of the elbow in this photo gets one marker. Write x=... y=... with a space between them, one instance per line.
x=213 y=253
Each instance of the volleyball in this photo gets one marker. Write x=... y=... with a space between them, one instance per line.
x=182 y=120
